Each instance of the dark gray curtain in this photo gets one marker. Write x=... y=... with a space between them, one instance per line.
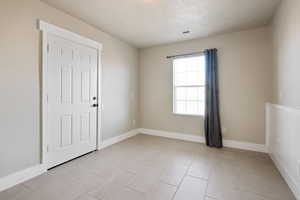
x=213 y=131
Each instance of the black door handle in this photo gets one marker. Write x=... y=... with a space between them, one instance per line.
x=95 y=105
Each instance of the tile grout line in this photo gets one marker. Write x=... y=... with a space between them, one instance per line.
x=185 y=175
x=196 y=177
x=207 y=182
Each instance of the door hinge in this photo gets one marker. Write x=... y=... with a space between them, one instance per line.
x=48 y=48
x=47 y=149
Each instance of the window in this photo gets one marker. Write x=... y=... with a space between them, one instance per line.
x=189 y=85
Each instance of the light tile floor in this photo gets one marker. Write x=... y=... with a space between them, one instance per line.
x=154 y=168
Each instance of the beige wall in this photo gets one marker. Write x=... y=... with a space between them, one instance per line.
x=286 y=35
x=19 y=80
x=245 y=66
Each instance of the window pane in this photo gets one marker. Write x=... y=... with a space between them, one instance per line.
x=192 y=93
x=201 y=72
x=201 y=92
x=181 y=107
x=201 y=107
x=180 y=78
x=181 y=93
x=189 y=81
x=192 y=107
x=189 y=71
x=190 y=100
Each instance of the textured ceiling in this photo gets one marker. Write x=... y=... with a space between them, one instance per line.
x=145 y=23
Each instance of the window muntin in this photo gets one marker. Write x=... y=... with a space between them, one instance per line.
x=189 y=85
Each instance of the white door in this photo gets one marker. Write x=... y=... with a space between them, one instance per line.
x=72 y=99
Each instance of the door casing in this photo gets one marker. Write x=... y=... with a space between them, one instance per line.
x=46 y=29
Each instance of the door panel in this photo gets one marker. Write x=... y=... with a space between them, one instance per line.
x=66 y=80
x=66 y=130
x=85 y=86
x=72 y=90
x=85 y=126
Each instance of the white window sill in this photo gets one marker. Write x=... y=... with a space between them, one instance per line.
x=188 y=115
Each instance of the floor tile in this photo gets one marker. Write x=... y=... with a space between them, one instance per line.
x=144 y=182
x=14 y=192
x=123 y=193
x=161 y=191
x=112 y=186
x=202 y=165
x=173 y=175
x=154 y=168
x=192 y=189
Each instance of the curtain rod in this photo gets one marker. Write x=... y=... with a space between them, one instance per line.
x=183 y=55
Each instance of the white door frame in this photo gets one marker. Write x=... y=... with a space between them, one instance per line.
x=47 y=28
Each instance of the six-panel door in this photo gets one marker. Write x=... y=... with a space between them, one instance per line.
x=72 y=91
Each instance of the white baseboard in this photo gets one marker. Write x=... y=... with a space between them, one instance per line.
x=172 y=135
x=287 y=177
x=201 y=139
x=21 y=176
x=245 y=146
x=114 y=140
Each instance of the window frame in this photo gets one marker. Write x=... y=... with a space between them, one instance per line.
x=174 y=88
